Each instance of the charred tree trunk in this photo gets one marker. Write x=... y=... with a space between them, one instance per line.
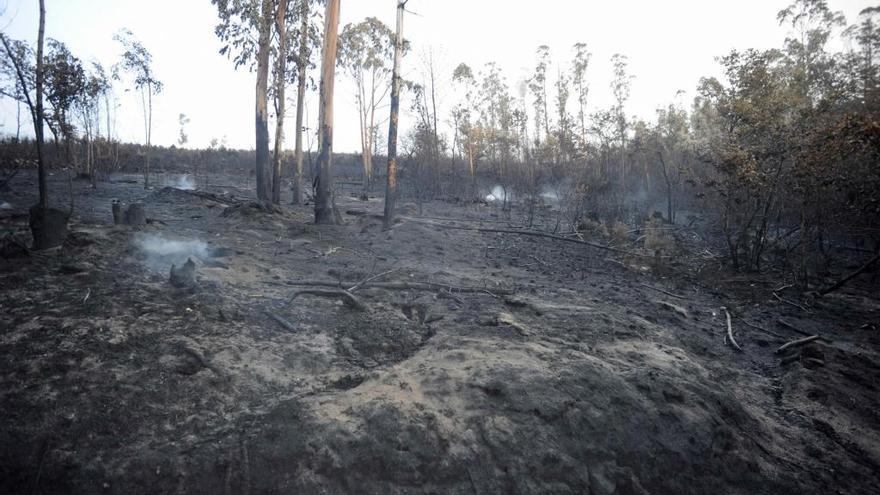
x=48 y=225
x=391 y=184
x=670 y=208
x=149 y=134
x=38 y=117
x=303 y=62
x=281 y=69
x=323 y=199
x=262 y=119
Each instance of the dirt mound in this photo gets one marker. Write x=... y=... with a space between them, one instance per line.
x=516 y=423
x=170 y=194
x=251 y=210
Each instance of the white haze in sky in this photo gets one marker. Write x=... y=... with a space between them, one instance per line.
x=670 y=45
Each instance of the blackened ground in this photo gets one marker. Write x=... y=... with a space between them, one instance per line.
x=569 y=373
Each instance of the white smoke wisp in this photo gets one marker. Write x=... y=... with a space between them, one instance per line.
x=161 y=253
x=551 y=196
x=184 y=182
x=497 y=194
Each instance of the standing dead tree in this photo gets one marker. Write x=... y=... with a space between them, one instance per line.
x=48 y=226
x=280 y=83
x=248 y=28
x=302 y=64
x=261 y=114
x=391 y=184
x=323 y=199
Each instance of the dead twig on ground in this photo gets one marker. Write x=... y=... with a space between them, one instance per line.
x=371 y=279
x=730 y=331
x=849 y=277
x=281 y=321
x=450 y=295
x=431 y=286
x=797 y=343
x=212 y=197
x=756 y=327
x=674 y=307
x=44 y=449
x=663 y=291
x=539 y=260
x=324 y=254
x=785 y=324
x=791 y=303
x=345 y=296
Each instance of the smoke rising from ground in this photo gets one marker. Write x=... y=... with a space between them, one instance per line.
x=161 y=253
x=184 y=182
x=497 y=194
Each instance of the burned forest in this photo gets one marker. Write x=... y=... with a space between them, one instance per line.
x=404 y=246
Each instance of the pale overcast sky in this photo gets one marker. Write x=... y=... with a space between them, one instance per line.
x=670 y=45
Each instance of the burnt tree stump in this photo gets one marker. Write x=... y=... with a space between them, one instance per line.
x=48 y=226
x=135 y=215
x=185 y=276
x=117 y=212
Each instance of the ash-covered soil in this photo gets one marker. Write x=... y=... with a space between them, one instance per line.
x=562 y=368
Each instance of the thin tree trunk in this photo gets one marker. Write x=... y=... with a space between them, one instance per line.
x=670 y=210
x=436 y=143
x=149 y=133
x=263 y=186
x=280 y=84
x=301 y=99
x=17 y=121
x=323 y=200
x=391 y=184
x=38 y=120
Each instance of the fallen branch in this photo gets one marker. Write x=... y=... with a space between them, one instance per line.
x=370 y=279
x=407 y=286
x=762 y=329
x=786 y=286
x=791 y=327
x=790 y=303
x=674 y=307
x=433 y=318
x=797 y=343
x=730 y=331
x=663 y=291
x=346 y=297
x=281 y=321
x=534 y=234
x=211 y=197
x=849 y=277
x=450 y=295
x=363 y=213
